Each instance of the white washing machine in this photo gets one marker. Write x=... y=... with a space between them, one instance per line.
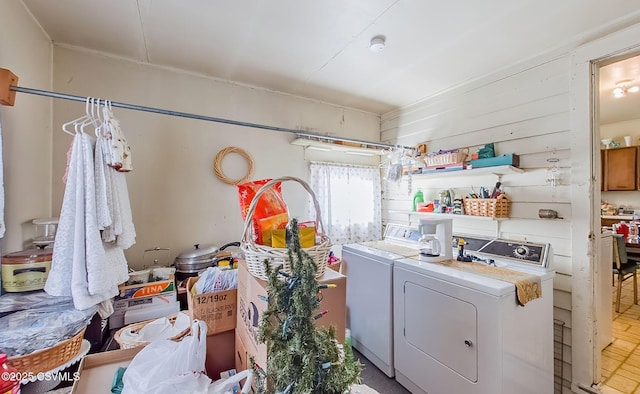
x=461 y=332
x=369 y=269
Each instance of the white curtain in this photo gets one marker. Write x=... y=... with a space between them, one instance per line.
x=350 y=201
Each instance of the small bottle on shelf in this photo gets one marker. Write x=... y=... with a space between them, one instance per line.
x=633 y=232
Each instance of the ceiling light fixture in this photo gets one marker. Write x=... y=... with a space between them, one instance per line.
x=622 y=88
x=377 y=44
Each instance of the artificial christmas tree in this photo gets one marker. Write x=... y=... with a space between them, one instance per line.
x=301 y=358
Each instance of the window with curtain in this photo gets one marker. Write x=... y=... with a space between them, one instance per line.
x=350 y=201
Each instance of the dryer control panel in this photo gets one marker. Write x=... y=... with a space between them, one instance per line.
x=503 y=249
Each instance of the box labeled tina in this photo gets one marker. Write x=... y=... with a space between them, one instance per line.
x=142 y=290
x=218 y=309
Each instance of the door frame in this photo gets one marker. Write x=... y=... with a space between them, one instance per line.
x=585 y=191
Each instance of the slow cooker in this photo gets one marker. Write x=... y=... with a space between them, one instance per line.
x=193 y=261
x=26 y=270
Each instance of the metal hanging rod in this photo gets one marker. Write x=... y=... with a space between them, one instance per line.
x=201 y=117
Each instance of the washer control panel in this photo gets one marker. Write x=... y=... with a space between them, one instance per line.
x=400 y=232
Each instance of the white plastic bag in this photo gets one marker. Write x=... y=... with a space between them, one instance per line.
x=166 y=366
x=225 y=386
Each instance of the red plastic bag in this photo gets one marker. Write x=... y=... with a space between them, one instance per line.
x=270 y=204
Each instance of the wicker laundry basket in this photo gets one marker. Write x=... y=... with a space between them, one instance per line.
x=255 y=254
x=136 y=327
x=45 y=360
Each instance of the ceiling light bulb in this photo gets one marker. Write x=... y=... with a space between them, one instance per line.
x=618 y=92
x=377 y=44
x=633 y=89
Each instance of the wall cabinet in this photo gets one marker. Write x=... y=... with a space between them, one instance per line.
x=620 y=169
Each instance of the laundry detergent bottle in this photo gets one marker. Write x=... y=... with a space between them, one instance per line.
x=418 y=197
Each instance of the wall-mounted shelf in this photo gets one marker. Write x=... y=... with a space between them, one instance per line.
x=446 y=215
x=338 y=146
x=497 y=170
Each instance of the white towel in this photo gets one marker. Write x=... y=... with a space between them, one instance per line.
x=127 y=236
x=121 y=230
x=79 y=259
x=102 y=204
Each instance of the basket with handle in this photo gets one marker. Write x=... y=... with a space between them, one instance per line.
x=135 y=329
x=256 y=254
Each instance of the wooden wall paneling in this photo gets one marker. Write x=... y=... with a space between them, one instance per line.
x=562 y=282
x=556 y=143
x=486 y=228
x=539 y=160
x=562 y=300
x=507 y=133
x=539 y=230
x=565 y=316
x=526 y=210
x=517 y=87
x=538 y=193
x=460 y=106
x=562 y=265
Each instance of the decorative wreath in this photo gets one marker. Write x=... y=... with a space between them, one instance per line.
x=217 y=165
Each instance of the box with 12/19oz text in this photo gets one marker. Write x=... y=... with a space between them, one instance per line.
x=218 y=309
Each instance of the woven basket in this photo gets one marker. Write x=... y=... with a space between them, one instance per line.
x=136 y=327
x=491 y=207
x=446 y=158
x=45 y=360
x=256 y=254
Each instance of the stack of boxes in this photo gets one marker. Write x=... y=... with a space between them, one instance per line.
x=144 y=301
x=252 y=296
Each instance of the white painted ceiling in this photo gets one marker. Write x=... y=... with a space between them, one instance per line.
x=613 y=110
x=319 y=49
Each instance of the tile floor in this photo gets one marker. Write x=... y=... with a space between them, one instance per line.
x=621 y=359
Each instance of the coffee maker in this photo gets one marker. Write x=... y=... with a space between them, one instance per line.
x=435 y=239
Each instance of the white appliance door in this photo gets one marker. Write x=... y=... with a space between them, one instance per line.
x=442 y=327
x=370 y=307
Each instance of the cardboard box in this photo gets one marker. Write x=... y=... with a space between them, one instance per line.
x=146 y=289
x=220 y=353
x=242 y=361
x=251 y=305
x=217 y=309
x=97 y=370
x=120 y=307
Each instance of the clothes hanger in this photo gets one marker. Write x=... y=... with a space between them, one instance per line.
x=98 y=119
x=75 y=122
x=88 y=118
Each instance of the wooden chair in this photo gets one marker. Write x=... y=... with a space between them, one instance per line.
x=624 y=267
